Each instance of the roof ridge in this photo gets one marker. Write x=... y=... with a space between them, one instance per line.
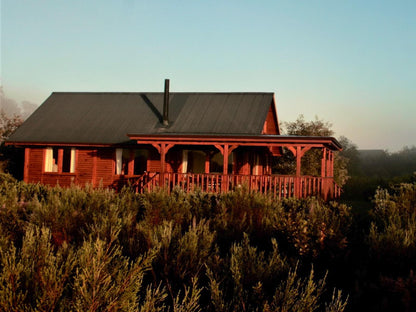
x=154 y=92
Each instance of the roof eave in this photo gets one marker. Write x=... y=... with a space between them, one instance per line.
x=280 y=140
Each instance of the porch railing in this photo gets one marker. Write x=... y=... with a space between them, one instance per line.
x=279 y=186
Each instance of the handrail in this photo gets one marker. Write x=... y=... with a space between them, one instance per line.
x=279 y=186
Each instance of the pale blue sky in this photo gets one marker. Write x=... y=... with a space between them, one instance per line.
x=352 y=63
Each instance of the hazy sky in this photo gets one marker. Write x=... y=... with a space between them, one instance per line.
x=351 y=63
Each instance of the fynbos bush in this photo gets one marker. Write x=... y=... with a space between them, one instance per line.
x=96 y=250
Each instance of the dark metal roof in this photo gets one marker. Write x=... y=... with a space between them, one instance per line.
x=107 y=118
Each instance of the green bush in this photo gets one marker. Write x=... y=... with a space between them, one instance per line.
x=392 y=237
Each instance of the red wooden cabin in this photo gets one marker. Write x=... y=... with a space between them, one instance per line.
x=211 y=141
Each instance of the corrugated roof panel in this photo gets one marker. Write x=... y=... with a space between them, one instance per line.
x=109 y=117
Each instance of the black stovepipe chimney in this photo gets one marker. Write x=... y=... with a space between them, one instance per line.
x=166 y=104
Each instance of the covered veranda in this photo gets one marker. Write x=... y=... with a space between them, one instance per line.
x=233 y=176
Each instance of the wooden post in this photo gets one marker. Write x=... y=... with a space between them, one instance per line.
x=328 y=164
x=162 y=148
x=26 y=166
x=225 y=162
x=268 y=164
x=332 y=164
x=324 y=173
x=162 y=164
x=331 y=173
x=207 y=162
x=225 y=169
x=130 y=166
x=298 y=160
x=323 y=163
x=298 y=170
x=298 y=153
x=60 y=159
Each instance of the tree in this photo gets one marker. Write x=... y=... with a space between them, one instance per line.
x=346 y=162
x=311 y=161
x=10 y=157
x=316 y=127
x=8 y=125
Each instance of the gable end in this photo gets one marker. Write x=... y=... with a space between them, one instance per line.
x=271 y=125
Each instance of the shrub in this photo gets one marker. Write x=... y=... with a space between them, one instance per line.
x=392 y=237
x=35 y=276
x=107 y=281
x=93 y=249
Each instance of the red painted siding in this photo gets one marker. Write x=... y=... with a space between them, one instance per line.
x=270 y=125
x=84 y=167
x=97 y=166
x=173 y=160
x=243 y=163
x=105 y=171
x=153 y=162
x=35 y=166
x=62 y=179
x=91 y=167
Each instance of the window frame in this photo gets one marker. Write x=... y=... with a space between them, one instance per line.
x=54 y=165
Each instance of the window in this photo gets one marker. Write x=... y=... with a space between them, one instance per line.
x=122 y=161
x=257 y=168
x=129 y=162
x=68 y=160
x=119 y=160
x=55 y=156
x=140 y=161
x=184 y=161
x=193 y=161
x=217 y=163
x=51 y=159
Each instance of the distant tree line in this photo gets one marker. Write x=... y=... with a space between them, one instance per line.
x=372 y=169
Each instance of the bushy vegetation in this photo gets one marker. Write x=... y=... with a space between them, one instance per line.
x=95 y=250
x=370 y=169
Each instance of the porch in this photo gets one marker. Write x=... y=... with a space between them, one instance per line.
x=245 y=162
x=278 y=186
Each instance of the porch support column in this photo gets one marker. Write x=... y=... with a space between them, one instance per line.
x=331 y=164
x=298 y=152
x=162 y=158
x=225 y=150
x=163 y=149
x=298 y=160
x=323 y=163
x=207 y=162
x=225 y=182
x=225 y=162
x=330 y=174
x=268 y=163
x=297 y=185
x=328 y=164
x=325 y=172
